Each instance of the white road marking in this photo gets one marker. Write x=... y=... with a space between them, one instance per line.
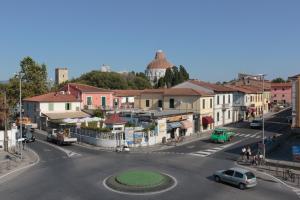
x=199 y=155
x=237 y=134
x=211 y=150
x=253 y=135
x=242 y=135
x=247 y=135
x=218 y=148
x=257 y=137
x=203 y=152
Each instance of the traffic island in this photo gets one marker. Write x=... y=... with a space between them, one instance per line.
x=140 y=182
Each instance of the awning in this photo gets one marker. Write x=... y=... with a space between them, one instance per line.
x=207 y=120
x=186 y=124
x=66 y=115
x=173 y=125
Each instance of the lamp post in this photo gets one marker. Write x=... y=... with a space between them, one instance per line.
x=263 y=119
x=20 y=112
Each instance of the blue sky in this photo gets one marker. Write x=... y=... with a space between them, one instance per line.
x=213 y=39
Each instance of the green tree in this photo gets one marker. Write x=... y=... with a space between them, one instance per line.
x=168 y=78
x=278 y=80
x=161 y=83
x=34 y=81
x=176 y=76
x=183 y=74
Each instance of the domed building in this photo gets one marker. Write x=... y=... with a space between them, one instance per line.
x=157 y=67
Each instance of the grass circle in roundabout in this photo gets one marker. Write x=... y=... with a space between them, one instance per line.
x=140 y=182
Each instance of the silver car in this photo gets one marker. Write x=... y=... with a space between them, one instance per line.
x=256 y=123
x=236 y=176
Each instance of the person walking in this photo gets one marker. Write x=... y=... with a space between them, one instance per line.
x=248 y=153
x=243 y=153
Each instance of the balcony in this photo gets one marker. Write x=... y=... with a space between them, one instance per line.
x=225 y=106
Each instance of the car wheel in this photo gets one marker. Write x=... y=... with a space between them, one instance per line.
x=217 y=179
x=242 y=186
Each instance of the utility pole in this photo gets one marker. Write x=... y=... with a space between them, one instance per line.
x=5 y=124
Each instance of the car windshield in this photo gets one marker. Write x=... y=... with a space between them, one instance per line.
x=218 y=132
x=256 y=121
x=250 y=175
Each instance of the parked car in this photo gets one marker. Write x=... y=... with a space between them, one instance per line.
x=256 y=123
x=221 y=135
x=236 y=176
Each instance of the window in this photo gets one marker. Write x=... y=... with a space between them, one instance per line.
x=147 y=103
x=103 y=101
x=218 y=116
x=238 y=175
x=203 y=103
x=223 y=99
x=89 y=101
x=218 y=100
x=171 y=103
x=160 y=103
x=283 y=95
x=228 y=114
x=283 y=89
x=275 y=95
x=229 y=98
x=50 y=106
x=210 y=103
x=229 y=172
x=68 y=106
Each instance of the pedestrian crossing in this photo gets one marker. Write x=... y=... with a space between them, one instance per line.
x=208 y=152
x=297 y=191
x=256 y=135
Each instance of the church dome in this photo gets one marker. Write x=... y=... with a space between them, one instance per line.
x=160 y=61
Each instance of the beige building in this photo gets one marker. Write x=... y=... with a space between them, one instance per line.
x=61 y=75
x=180 y=99
x=295 y=102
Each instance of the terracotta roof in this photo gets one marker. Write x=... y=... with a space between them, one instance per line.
x=177 y=92
x=252 y=89
x=114 y=119
x=211 y=86
x=185 y=92
x=53 y=97
x=288 y=84
x=85 y=88
x=240 y=89
x=127 y=93
x=294 y=77
x=159 y=62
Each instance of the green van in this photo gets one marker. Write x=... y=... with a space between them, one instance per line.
x=221 y=135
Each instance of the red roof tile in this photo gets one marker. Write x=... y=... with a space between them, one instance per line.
x=53 y=97
x=114 y=119
x=86 y=88
x=127 y=93
x=288 y=84
x=211 y=86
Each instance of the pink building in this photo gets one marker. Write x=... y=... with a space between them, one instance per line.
x=91 y=97
x=281 y=93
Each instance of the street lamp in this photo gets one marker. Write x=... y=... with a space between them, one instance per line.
x=263 y=119
x=20 y=107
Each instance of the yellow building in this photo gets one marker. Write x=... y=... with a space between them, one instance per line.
x=181 y=99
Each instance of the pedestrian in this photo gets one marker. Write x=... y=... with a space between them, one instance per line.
x=254 y=161
x=248 y=154
x=243 y=153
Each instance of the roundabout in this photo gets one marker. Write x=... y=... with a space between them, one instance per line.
x=140 y=182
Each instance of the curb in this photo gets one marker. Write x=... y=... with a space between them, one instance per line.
x=266 y=174
x=24 y=167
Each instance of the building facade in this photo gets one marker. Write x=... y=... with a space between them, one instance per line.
x=157 y=67
x=90 y=96
x=53 y=106
x=223 y=99
x=281 y=93
x=295 y=99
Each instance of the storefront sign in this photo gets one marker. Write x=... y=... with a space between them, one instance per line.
x=296 y=153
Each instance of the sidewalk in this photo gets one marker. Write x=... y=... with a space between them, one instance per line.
x=289 y=176
x=11 y=162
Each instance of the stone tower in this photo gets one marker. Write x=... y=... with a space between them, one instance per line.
x=61 y=75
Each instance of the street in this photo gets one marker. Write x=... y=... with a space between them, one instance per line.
x=80 y=176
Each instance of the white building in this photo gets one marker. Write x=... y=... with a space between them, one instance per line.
x=157 y=67
x=52 y=106
x=223 y=99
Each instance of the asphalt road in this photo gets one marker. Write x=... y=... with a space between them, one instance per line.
x=58 y=176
